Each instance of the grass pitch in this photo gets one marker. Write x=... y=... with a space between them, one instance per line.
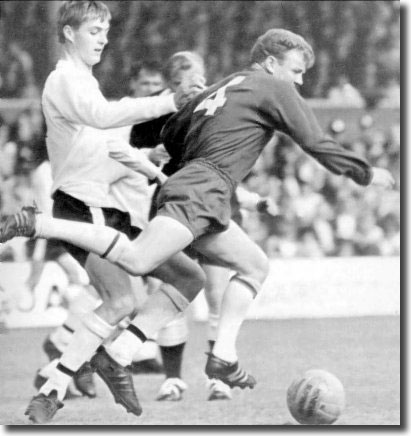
x=364 y=353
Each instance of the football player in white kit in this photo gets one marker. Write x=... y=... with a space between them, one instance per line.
x=79 y=153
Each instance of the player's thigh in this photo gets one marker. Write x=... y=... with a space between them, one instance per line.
x=233 y=249
x=110 y=281
x=161 y=239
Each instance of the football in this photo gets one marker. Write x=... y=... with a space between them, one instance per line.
x=316 y=398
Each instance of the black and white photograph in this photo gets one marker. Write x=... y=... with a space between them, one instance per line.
x=200 y=214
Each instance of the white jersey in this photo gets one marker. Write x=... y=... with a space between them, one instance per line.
x=75 y=112
x=131 y=192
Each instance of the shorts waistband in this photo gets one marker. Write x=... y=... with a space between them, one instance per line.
x=217 y=170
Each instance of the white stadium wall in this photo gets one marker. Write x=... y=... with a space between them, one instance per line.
x=295 y=288
x=327 y=287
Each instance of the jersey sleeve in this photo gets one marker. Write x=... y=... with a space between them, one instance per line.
x=147 y=135
x=292 y=115
x=80 y=101
x=121 y=151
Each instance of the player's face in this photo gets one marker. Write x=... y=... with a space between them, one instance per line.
x=292 y=68
x=90 y=39
x=146 y=84
x=185 y=75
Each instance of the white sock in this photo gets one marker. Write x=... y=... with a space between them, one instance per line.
x=158 y=310
x=57 y=381
x=89 y=237
x=236 y=302
x=49 y=368
x=212 y=326
x=85 y=340
x=61 y=337
x=149 y=350
x=175 y=332
x=123 y=349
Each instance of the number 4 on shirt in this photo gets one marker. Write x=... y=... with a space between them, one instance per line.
x=217 y=99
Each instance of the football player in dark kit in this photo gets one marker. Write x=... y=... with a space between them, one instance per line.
x=220 y=133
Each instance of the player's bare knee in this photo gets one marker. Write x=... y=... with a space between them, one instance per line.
x=253 y=273
x=256 y=268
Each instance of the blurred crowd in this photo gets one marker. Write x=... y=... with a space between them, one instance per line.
x=17 y=79
x=321 y=214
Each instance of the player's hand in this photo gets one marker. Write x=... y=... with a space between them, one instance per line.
x=382 y=177
x=188 y=89
x=160 y=179
x=269 y=206
x=159 y=155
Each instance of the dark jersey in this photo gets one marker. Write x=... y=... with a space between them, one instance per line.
x=148 y=135
x=230 y=123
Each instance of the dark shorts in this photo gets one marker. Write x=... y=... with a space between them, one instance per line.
x=198 y=196
x=70 y=208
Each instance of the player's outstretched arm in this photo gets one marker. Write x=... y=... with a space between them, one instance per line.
x=292 y=115
x=80 y=101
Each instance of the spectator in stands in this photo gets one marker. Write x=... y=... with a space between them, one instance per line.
x=146 y=79
x=16 y=73
x=369 y=236
x=391 y=94
x=29 y=87
x=390 y=246
x=344 y=94
x=308 y=244
x=320 y=214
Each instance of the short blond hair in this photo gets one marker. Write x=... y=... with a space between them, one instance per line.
x=74 y=13
x=182 y=61
x=277 y=42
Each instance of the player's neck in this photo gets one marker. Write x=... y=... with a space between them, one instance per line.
x=257 y=67
x=74 y=58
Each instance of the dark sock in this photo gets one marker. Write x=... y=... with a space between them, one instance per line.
x=211 y=345
x=172 y=360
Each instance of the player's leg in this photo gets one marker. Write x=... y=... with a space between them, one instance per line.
x=94 y=328
x=80 y=297
x=163 y=237
x=216 y=283
x=182 y=280
x=147 y=360
x=172 y=339
x=160 y=308
x=218 y=278
x=235 y=250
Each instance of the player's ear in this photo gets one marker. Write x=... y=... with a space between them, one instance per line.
x=270 y=63
x=68 y=33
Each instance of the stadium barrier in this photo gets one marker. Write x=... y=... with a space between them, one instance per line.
x=295 y=288
x=324 y=109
